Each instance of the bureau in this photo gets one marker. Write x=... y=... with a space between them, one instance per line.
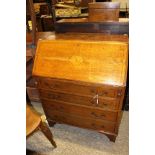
x=81 y=80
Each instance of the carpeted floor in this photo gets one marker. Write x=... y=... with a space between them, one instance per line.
x=77 y=141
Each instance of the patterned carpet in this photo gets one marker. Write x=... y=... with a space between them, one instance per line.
x=77 y=141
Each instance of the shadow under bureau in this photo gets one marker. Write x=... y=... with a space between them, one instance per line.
x=81 y=80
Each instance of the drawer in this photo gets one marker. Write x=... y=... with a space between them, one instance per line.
x=78 y=110
x=111 y=104
x=59 y=85
x=81 y=121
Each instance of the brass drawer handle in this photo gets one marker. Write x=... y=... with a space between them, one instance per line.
x=104 y=93
x=93 y=91
x=52 y=86
x=97 y=115
x=105 y=104
x=56 y=96
x=36 y=83
x=53 y=96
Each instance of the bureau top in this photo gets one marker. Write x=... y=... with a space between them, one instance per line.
x=92 y=58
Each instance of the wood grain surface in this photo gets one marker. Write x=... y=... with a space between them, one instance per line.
x=82 y=78
x=104 y=62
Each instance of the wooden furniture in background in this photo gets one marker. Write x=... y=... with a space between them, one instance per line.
x=47 y=23
x=84 y=3
x=103 y=11
x=30 y=6
x=82 y=25
x=35 y=122
x=82 y=79
x=44 y=20
x=44 y=10
x=103 y=0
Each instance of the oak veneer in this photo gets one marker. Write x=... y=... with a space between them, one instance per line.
x=80 y=110
x=80 y=99
x=101 y=63
x=89 y=123
x=82 y=79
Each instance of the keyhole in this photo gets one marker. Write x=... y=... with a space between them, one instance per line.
x=97 y=101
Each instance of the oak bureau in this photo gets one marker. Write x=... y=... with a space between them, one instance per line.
x=81 y=80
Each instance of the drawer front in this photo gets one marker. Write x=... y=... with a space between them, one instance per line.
x=80 y=100
x=58 y=85
x=80 y=111
x=81 y=121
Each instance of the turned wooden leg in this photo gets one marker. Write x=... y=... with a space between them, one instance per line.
x=112 y=137
x=46 y=131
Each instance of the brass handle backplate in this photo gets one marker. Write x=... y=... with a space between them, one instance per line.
x=94 y=114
